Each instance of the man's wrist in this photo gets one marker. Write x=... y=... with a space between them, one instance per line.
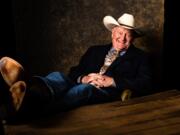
x=113 y=83
x=79 y=79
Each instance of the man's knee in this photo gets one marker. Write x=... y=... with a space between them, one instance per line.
x=56 y=76
x=78 y=95
x=84 y=90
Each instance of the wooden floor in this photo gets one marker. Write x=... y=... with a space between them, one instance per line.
x=157 y=114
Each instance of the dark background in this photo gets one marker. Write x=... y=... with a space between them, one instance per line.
x=171 y=42
x=50 y=35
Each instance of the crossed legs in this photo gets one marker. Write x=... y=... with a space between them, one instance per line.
x=66 y=95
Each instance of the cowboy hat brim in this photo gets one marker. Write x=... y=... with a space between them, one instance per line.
x=110 y=23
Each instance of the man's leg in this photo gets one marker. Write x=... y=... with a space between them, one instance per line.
x=57 y=83
x=36 y=94
x=19 y=93
x=83 y=94
x=44 y=92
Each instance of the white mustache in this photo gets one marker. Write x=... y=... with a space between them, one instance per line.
x=120 y=41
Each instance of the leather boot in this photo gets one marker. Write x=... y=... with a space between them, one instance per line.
x=11 y=70
x=12 y=89
x=17 y=91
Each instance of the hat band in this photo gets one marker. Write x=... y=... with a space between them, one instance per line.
x=126 y=25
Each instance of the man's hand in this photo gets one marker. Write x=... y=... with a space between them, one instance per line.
x=98 y=80
x=90 y=77
x=106 y=81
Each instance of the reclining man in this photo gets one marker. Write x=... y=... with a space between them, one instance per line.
x=102 y=74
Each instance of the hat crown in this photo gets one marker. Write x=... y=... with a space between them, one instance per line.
x=127 y=20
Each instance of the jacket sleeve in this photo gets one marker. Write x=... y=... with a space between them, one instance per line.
x=80 y=69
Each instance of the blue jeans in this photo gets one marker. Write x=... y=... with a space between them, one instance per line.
x=67 y=95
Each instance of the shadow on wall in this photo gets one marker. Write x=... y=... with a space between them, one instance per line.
x=152 y=44
x=155 y=53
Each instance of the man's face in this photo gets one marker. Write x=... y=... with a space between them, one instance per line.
x=121 y=38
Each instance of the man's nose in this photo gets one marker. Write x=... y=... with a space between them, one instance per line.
x=123 y=37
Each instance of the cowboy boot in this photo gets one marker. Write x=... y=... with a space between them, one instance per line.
x=17 y=91
x=12 y=90
x=10 y=70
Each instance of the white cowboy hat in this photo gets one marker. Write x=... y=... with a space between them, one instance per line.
x=126 y=20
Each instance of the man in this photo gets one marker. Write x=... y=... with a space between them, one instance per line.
x=101 y=75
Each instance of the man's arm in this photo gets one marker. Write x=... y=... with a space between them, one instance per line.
x=77 y=72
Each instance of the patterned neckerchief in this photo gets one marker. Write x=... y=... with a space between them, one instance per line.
x=110 y=57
